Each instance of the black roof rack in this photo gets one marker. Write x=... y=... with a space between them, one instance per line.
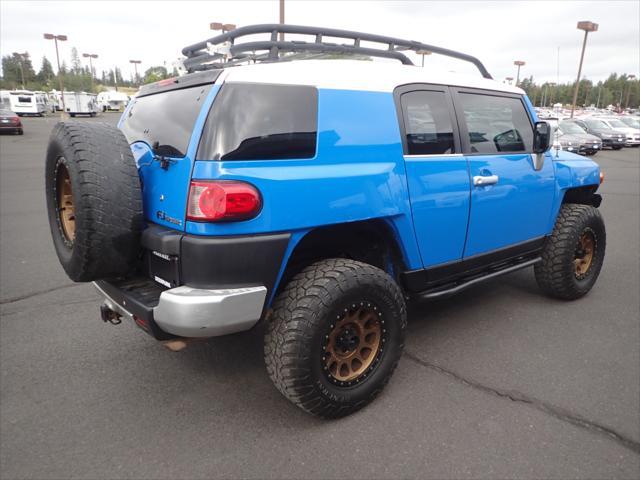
x=222 y=51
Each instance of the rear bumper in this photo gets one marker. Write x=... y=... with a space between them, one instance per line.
x=188 y=312
x=192 y=286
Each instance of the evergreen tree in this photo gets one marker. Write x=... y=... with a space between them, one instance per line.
x=76 y=64
x=46 y=71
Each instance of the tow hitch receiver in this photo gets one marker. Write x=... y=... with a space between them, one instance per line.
x=109 y=315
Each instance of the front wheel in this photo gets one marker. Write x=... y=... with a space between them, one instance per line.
x=335 y=336
x=574 y=253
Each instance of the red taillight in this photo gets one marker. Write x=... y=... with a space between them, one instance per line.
x=222 y=200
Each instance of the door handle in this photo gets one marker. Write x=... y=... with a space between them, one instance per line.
x=481 y=181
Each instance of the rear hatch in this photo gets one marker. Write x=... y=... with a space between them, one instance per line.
x=163 y=125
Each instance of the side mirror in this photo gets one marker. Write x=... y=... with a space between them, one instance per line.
x=541 y=137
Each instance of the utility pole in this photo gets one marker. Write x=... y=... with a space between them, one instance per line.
x=135 y=66
x=90 y=56
x=282 y=19
x=55 y=38
x=587 y=27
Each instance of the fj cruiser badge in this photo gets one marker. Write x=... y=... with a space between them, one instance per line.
x=163 y=216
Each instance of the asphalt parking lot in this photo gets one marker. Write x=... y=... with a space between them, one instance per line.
x=498 y=382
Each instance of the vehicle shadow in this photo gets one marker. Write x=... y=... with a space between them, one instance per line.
x=226 y=376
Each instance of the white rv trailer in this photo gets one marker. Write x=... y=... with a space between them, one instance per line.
x=80 y=103
x=25 y=102
x=5 y=101
x=112 y=101
x=50 y=106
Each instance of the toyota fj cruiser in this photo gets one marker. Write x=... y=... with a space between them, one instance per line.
x=316 y=195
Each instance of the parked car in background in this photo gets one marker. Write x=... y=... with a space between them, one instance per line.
x=25 y=102
x=574 y=139
x=632 y=134
x=633 y=122
x=595 y=126
x=10 y=122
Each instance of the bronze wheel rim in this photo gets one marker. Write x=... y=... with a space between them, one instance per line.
x=585 y=253
x=66 y=211
x=354 y=344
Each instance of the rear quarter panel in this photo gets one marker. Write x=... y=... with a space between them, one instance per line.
x=358 y=173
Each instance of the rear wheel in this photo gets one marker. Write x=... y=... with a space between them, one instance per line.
x=617 y=147
x=574 y=254
x=335 y=336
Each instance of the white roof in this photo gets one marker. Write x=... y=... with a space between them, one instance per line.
x=373 y=76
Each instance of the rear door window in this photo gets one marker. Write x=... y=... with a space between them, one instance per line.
x=427 y=123
x=496 y=124
x=261 y=122
x=165 y=120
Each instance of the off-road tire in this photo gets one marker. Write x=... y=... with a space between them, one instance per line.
x=106 y=199
x=556 y=273
x=302 y=318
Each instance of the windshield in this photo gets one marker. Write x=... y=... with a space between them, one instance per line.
x=615 y=123
x=597 y=124
x=567 y=127
x=632 y=122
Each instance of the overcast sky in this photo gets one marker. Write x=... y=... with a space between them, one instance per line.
x=496 y=32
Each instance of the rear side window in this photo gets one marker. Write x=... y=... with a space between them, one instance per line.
x=261 y=122
x=496 y=124
x=165 y=120
x=427 y=123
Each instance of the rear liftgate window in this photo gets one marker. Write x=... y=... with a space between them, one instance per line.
x=261 y=122
x=165 y=120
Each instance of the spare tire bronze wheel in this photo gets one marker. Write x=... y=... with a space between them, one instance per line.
x=65 y=206
x=94 y=201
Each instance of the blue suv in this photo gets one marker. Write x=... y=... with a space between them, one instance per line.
x=315 y=195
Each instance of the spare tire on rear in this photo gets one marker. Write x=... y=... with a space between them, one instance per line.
x=94 y=200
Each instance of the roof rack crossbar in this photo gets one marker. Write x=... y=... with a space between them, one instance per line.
x=199 y=56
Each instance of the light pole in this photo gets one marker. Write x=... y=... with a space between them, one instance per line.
x=21 y=57
x=90 y=56
x=630 y=77
x=281 y=19
x=587 y=27
x=518 y=63
x=135 y=66
x=55 y=38
x=423 y=53
x=224 y=27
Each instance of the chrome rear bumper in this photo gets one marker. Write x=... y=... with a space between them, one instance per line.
x=193 y=312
